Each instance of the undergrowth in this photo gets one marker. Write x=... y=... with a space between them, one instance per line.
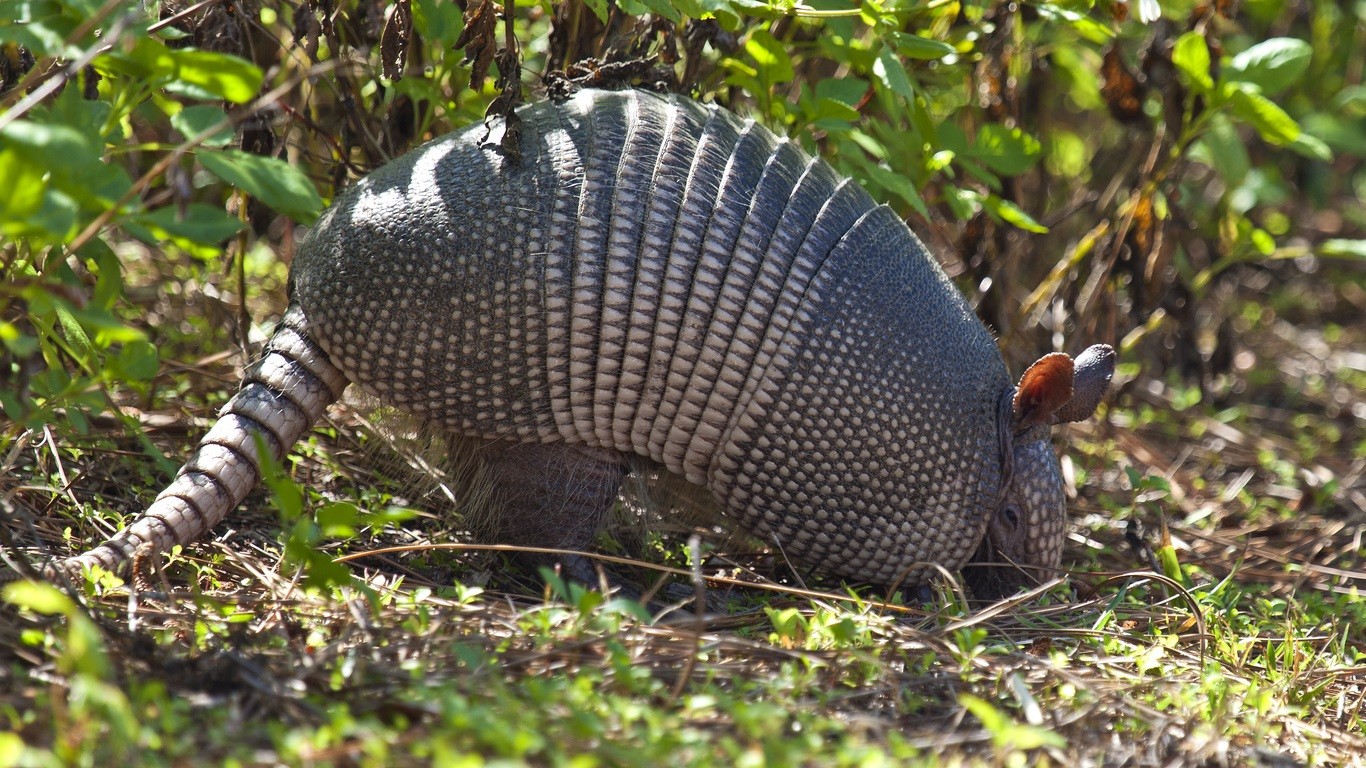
x=1182 y=179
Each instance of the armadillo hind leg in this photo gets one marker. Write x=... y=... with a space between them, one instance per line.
x=555 y=496
x=281 y=397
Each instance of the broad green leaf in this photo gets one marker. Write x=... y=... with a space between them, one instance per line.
x=56 y=147
x=20 y=344
x=1272 y=65
x=848 y=90
x=199 y=223
x=964 y=203
x=39 y=598
x=1080 y=69
x=1087 y=27
x=832 y=114
x=41 y=27
x=273 y=182
x=774 y=64
x=663 y=8
x=338 y=519
x=1191 y=57
x=599 y=8
x=222 y=75
x=59 y=215
x=691 y=8
x=11 y=749
x=1007 y=151
x=88 y=116
x=23 y=190
x=137 y=360
x=192 y=121
x=916 y=47
x=1261 y=113
x=1312 y=147
x=188 y=72
x=437 y=21
x=888 y=70
x=1347 y=136
x=1222 y=148
x=896 y=184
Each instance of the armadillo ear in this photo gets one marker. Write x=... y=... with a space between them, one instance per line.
x=1043 y=389
x=1094 y=368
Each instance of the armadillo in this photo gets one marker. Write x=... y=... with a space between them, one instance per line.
x=649 y=279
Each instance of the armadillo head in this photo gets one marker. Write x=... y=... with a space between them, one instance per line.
x=1024 y=536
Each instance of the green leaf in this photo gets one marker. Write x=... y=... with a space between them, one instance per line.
x=198 y=223
x=1191 y=57
x=1078 y=69
x=137 y=361
x=888 y=70
x=39 y=598
x=916 y=47
x=1222 y=148
x=664 y=8
x=219 y=74
x=24 y=191
x=1312 y=147
x=73 y=332
x=1355 y=249
x=1347 y=136
x=438 y=21
x=895 y=183
x=337 y=519
x=192 y=121
x=774 y=64
x=188 y=72
x=1007 y=151
x=1087 y=27
x=830 y=114
x=56 y=147
x=273 y=182
x=289 y=500
x=19 y=344
x=1012 y=214
x=848 y=90
x=1272 y=65
x=1261 y=113
x=599 y=9
x=11 y=749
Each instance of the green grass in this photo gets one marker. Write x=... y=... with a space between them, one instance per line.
x=1247 y=647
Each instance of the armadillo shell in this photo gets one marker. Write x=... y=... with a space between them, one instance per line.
x=666 y=279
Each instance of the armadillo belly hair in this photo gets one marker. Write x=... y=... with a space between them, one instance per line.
x=443 y=472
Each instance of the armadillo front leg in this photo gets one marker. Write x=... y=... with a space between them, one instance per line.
x=555 y=496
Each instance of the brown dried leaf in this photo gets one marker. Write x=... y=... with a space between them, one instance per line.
x=478 y=41
x=307 y=28
x=396 y=39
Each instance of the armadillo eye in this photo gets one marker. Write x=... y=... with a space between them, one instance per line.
x=1011 y=513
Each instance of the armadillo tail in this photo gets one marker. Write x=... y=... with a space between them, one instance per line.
x=281 y=397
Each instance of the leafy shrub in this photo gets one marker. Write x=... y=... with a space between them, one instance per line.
x=1086 y=170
